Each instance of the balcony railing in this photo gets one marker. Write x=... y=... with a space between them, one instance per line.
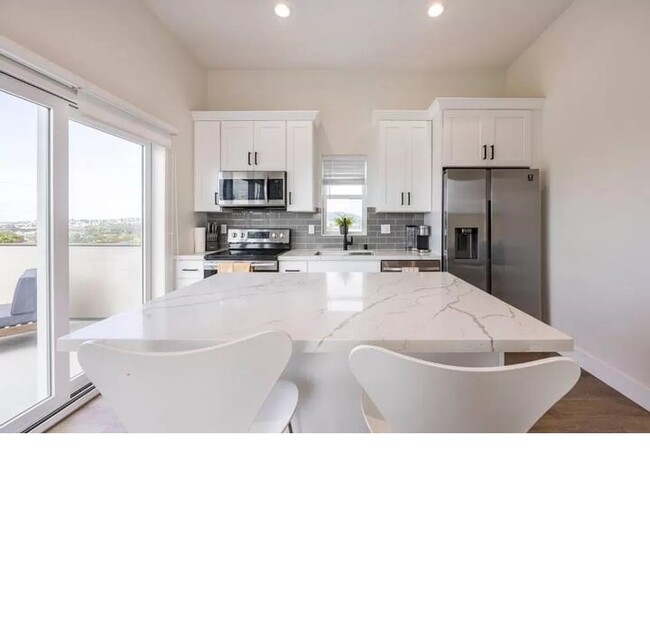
x=104 y=279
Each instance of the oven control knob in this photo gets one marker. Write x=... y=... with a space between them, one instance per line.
x=281 y=234
x=274 y=235
x=234 y=234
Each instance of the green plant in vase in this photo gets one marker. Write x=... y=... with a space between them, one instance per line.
x=343 y=223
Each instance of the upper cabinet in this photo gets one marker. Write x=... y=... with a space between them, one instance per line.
x=207 y=165
x=253 y=145
x=487 y=138
x=257 y=141
x=300 y=166
x=405 y=151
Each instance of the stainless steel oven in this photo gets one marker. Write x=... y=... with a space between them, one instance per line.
x=252 y=190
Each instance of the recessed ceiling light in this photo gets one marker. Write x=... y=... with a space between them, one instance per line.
x=436 y=9
x=282 y=10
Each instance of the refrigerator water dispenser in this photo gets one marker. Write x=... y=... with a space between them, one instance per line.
x=466 y=243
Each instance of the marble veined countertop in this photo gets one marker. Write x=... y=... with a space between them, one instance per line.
x=336 y=255
x=332 y=312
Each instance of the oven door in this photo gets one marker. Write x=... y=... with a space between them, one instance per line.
x=243 y=189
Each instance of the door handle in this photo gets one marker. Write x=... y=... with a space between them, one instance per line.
x=484 y=152
x=255 y=158
x=409 y=194
x=249 y=158
x=492 y=147
x=402 y=198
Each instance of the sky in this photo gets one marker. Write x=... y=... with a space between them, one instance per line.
x=105 y=170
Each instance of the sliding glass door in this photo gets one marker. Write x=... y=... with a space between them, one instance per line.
x=76 y=244
x=28 y=361
x=106 y=225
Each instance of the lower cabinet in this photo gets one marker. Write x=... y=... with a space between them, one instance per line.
x=294 y=267
x=344 y=266
x=188 y=272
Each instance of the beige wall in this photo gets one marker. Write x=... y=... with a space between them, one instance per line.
x=123 y=48
x=345 y=99
x=591 y=66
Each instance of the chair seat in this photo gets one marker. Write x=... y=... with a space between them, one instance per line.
x=278 y=409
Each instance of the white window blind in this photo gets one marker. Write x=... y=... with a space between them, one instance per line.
x=344 y=190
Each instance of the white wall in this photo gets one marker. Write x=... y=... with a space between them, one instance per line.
x=124 y=49
x=345 y=99
x=591 y=65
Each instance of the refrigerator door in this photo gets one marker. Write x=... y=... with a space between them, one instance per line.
x=516 y=231
x=466 y=226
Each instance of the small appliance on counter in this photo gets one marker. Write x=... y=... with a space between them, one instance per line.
x=411 y=237
x=422 y=240
x=260 y=247
x=212 y=236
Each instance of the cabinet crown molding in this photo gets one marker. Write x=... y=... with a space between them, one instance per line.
x=311 y=116
x=487 y=103
x=380 y=115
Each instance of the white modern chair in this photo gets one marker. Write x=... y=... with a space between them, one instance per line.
x=408 y=395
x=223 y=389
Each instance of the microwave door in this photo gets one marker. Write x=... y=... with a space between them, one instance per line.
x=242 y=189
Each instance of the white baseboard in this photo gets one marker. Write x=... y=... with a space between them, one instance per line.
x=623 y=383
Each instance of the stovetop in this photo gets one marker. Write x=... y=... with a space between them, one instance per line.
x=244 y=255
x=251 y=245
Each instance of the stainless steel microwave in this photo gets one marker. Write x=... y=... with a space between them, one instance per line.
x=252 y=190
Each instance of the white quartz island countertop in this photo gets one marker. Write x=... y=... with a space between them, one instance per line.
x=333 y=312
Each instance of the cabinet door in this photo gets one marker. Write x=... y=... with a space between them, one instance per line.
x=465 y=139
x=237 y=145
x=345 y=266
x=207 y=165
x=394 y=153
x=511 y=138
x=300 y=166
x=270 y=152
x=418 y=197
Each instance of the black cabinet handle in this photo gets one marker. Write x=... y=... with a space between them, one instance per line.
x=484 y=152
x=290 y=198
x=492 y=147
x=256 y=158
x=402 y=199
x=409 y=198
x=216 y=199
x=249 y=158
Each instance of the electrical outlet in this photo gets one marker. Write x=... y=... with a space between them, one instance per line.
x=312 y=229
x=224 y=228
x=385 y=228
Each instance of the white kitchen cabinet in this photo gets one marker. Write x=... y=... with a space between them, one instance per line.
x=405 y=152
x=237 y=145
x=207 y=165
x=487 y=138
x=253 y=145
x=345 y=266
x=300 y=166
x=294 y=266
x=270 y=145
x=188 y=271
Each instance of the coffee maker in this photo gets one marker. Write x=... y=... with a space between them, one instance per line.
x=422 y=239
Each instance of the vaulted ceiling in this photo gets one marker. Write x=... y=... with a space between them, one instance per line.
x=357 y=34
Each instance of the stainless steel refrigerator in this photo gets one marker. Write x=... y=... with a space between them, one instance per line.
x=492 y=237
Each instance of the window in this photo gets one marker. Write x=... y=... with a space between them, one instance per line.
x=344 y=192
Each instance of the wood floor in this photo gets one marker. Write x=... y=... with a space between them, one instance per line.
x=591 y=407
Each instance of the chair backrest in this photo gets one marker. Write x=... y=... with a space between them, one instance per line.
x=216 y=389
x=24 y=300
x=418 y=396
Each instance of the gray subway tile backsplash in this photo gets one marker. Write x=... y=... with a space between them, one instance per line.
x=299 y=222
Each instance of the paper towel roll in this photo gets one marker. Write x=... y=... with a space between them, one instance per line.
x=199 y=240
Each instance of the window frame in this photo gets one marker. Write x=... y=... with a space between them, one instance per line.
x=325 y=197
